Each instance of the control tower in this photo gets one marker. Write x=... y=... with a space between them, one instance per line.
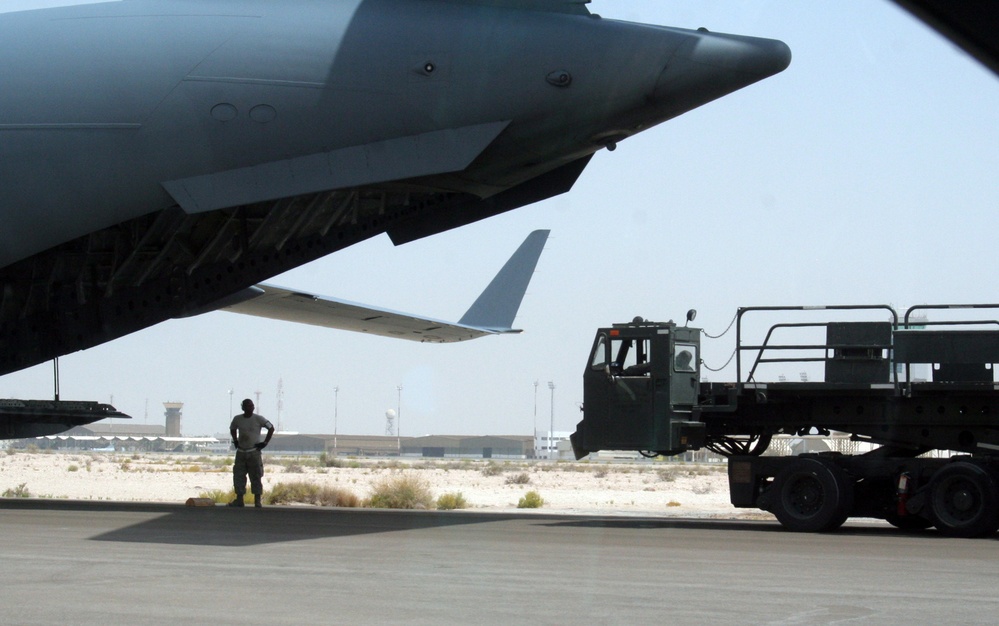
x=173 y=416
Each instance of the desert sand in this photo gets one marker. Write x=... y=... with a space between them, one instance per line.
x=652 y=488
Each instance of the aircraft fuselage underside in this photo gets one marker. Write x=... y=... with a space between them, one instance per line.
x=159 y=155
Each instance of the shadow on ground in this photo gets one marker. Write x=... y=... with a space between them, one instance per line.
x=223 y=526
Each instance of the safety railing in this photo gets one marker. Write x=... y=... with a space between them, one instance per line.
x=767 y=345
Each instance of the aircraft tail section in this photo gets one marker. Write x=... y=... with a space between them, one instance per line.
x=497 y=306
x=492 y=313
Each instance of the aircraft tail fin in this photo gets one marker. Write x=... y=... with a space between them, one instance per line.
x=497 y=306
x=492 y=313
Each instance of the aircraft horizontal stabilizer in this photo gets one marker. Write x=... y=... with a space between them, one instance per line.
x=492 y=313
x=20 y=419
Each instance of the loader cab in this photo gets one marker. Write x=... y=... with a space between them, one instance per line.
x=640 y=385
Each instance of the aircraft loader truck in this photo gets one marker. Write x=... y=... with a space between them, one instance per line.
x=643 y=391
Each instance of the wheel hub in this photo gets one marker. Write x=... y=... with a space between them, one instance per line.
x=963 y=500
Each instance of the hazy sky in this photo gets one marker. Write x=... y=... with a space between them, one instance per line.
x=864 y=173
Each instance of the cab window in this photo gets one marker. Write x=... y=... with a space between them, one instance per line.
x=685 y=357
x=631 y=357
x=600 y=357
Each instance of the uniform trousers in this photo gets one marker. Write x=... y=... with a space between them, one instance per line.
x=248 y=463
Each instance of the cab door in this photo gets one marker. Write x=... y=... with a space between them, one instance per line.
x=684 y=376
x=618 y=395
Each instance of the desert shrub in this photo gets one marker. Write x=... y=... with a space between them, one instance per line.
x=451 y=501
x=220 y=496
x=291 y=492
x=673 y=503
x=301 y=492
x=225 y=497
x=518 y=479
x=401 y=492
x=601 y=473
x=329 y=460
x=73 y=467
x=336 y=496
x=701 y=470
x=492 y=469
x=667 y=474
x=294 y=468
x=702 y=489
x=427 y=465
x=531 y=500
x=21 y=491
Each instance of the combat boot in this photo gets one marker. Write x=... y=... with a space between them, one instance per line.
x=237 y=502
x=256 y=500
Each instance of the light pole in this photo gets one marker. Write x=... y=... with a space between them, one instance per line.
x=398 y=419
x=336 y=399
x=534 y=443
x=551 y=431
x=230 y=403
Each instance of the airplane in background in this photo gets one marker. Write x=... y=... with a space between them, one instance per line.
x=492 y=313
x=161 y=158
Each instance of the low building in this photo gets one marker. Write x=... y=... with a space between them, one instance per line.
x=482 y=447
x=431 y=446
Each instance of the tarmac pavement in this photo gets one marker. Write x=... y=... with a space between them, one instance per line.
x=97 y=563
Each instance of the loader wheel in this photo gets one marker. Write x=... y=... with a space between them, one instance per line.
x=812 y=496
x=963 y=501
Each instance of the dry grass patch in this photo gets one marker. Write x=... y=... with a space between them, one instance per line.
x=451 y=501
x=404 y=491
x=518 y=479
x=492 y=469
x=301 y=492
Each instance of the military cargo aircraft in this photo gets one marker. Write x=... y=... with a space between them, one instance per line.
x=159 y=158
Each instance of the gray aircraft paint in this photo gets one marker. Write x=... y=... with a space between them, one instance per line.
x=159 y=155
x=17 y=6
